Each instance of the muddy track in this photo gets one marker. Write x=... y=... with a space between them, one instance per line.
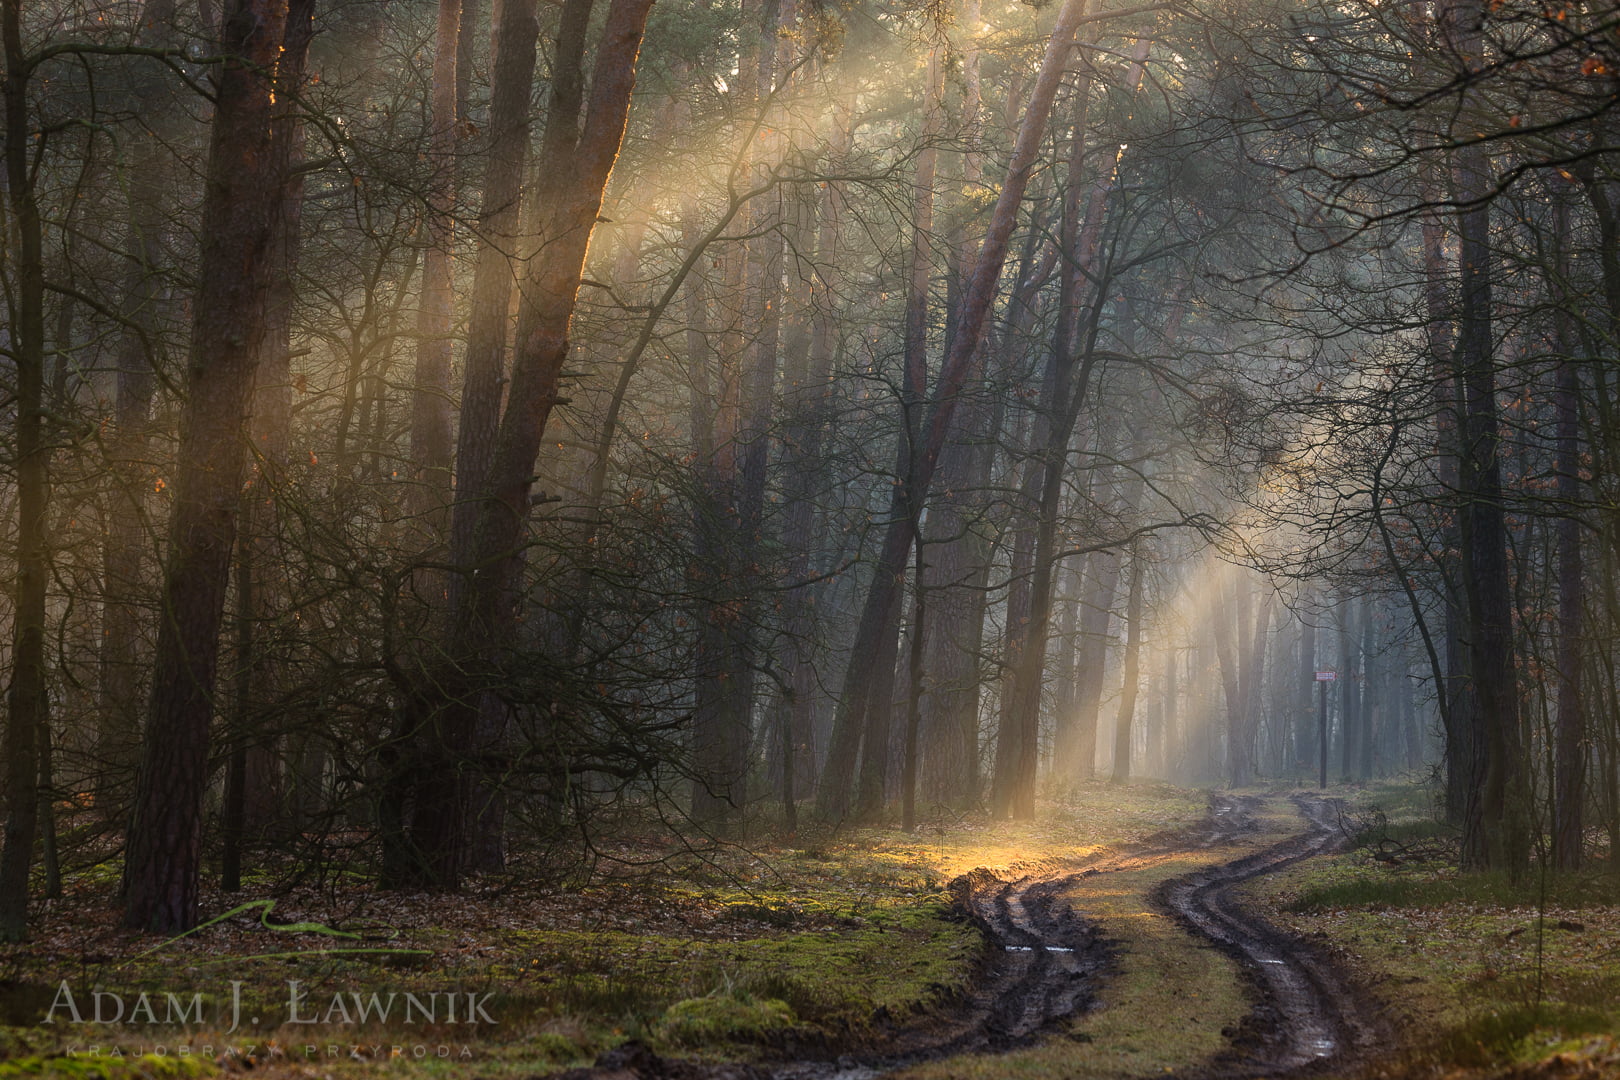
x=1044 y=962
x=1308 y=1015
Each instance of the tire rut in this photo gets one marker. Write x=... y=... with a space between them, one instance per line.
x=1308 y=1014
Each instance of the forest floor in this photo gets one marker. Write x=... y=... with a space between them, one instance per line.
x=1056 y=948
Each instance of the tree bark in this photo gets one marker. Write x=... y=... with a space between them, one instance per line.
x=1501 y=839
x=241 y=208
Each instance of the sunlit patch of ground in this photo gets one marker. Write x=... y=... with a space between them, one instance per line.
x=704 y=953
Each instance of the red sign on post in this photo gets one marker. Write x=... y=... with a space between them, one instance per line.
x=1326 y=676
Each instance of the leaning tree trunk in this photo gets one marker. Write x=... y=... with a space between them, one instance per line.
x=241 y=208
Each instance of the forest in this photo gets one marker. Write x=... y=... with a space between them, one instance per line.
x=722 y=523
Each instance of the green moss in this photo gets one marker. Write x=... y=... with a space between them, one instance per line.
x=723 y=1017
x=100 y=1067
x=555 y=1046
x=905 y=958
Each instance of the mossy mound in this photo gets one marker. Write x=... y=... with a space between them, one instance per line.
x=723 y=1017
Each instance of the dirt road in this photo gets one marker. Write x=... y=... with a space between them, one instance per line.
x=1308 y=1012
x=1045 y=963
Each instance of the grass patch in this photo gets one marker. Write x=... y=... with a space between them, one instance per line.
x=1520 y=1033
x=1356 y=883
x=910 y=958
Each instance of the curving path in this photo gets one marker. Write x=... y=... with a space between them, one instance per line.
x=1309 y=1012
x=1045 y=962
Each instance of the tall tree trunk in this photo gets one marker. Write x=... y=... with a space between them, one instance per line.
x=1349 y=689
x=1501 y=839
x=1232 y=664
x=252 y=780
x=959 y=570
x=495 y=272
x=807 y=402
x=1455 y=695
x=1371 y=691
x=1174 y=738
x=123 y=558
x=914 y=695
x=736 y=473
x=959 y=566
x=1569 y=758
x=1068 y=381
x=1077 y=756
x=241 y=208
x=1253 y=679
x=431 y=439
x=1305 y=719
x=914 y=385
x=27 y=704
x=1132 y=673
